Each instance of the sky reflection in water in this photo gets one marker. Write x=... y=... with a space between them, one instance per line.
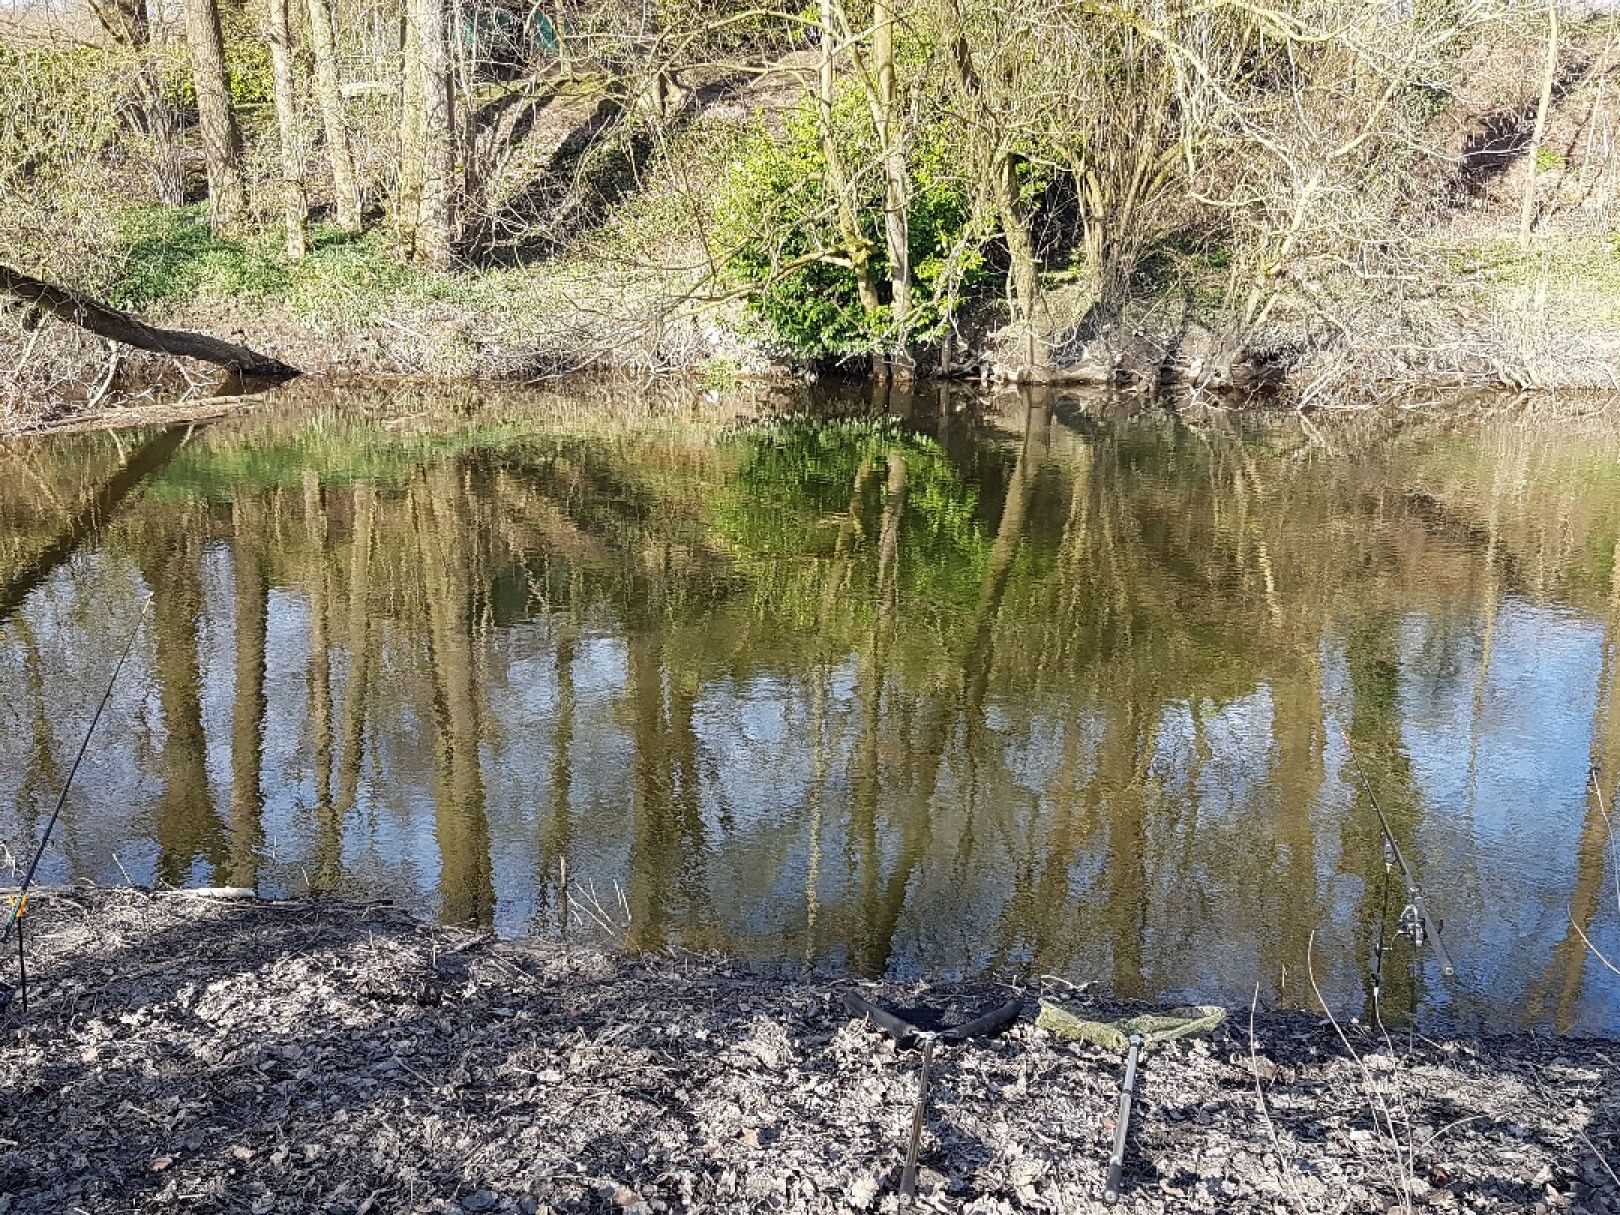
x=1032 y=685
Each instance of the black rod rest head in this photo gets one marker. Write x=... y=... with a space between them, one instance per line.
x=906 y=1025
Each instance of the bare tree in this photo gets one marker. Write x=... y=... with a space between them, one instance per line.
x=345 y=183
x=221 y=139
x=1527 y=208
x=896 y=180
x=435 y=226
x=857 y=249
x=407 y=202
x=151 y=111
x=294 y=201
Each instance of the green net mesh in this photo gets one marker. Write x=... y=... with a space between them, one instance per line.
x=1155 y=1028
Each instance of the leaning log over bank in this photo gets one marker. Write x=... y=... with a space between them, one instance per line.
x=118 y=326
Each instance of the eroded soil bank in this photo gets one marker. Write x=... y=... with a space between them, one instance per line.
x=191 y=1054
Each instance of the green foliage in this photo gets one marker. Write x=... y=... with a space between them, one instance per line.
x=720 y=374
x=247 y=60
x=791 y=495
x=65 y=148
x=776 y=213
x=815 y=310
x=169 y=256
x=247 y=67
x=341 y=449
x=1579 y=278
x=774 y=210
x=56 y=91
x=58 y=111
x=1547 y=159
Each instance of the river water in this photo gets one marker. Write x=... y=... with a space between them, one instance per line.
x=852 y=681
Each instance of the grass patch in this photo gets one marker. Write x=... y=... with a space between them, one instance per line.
x=168 y=256
x=1580 y=275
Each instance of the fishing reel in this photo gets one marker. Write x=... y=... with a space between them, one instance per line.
x=1413 y=925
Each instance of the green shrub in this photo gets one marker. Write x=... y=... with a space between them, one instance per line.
x=247 y=70
x=775 y=212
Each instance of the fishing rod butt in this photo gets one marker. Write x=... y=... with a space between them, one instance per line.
x=1122 y=1123
x=1116 y=1168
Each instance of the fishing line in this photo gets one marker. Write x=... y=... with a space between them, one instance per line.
x=1378 y=949
x=1416 y=921
x=20 y=900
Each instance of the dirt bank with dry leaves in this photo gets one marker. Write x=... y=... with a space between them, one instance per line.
x=197 y=1055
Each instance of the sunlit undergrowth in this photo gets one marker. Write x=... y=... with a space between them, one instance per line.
x=167 y=256
x=1579 y=276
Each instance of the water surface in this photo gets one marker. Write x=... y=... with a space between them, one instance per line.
x=933 y=685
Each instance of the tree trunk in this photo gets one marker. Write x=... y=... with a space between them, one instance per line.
x=222 y=142
x=556 y=840
x=294 y=202
x=187 y=823
x=128 y=23
x=345 y=183
x=436 y=223
x=466 y=873
x=999 y=174
x=837 y=181
x=1023 y=270
x=1527 y=209
x=896 y=227
x=160 y=119
x=251 y=596
x=320 y=680
x=408 y=183
x=361 y=642
x=124 y=20
x=118 y=326
x=87 y=522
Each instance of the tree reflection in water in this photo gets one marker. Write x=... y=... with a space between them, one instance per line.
x=1043 y=683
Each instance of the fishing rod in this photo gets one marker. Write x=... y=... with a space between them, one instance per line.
x=19 y=901
x=1415 y=921
x=1592 y=770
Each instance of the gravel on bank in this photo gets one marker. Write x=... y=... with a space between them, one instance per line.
x=204 y=1055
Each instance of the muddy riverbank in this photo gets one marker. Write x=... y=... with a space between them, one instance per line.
x=182 y=1053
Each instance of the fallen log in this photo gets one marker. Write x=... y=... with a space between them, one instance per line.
x=117 y=326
